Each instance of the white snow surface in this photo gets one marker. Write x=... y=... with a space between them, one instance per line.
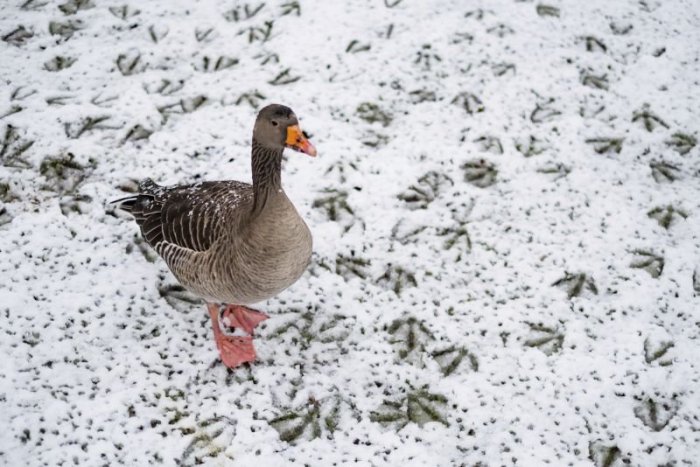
x=545 y=316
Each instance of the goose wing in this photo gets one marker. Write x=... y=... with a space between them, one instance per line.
x=190 y=217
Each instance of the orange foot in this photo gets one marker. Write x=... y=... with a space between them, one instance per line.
x=234 y=350
x=242 y=317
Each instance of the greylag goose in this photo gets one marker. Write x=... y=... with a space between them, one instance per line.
x=229 y=242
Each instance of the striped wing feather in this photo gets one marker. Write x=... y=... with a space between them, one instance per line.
x=189 y=217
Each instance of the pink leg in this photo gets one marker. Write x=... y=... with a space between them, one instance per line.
x=242 y=317
x=234 y=350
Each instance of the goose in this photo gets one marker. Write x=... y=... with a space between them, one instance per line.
x=232 y=243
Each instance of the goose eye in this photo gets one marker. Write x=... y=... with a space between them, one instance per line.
x=274 y=123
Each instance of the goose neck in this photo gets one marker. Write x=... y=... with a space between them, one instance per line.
x=267 y=173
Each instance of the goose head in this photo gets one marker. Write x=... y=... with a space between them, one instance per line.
x=277 y=127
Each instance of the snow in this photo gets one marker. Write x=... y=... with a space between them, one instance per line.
x=429 y=329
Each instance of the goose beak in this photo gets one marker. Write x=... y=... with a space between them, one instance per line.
x=297 y=141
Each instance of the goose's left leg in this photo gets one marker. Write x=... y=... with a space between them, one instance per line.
x=234 y=350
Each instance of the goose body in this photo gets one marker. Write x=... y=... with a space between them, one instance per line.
x=217 y=246
x=231 y=242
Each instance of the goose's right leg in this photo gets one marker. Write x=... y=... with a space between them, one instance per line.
x=242 y=317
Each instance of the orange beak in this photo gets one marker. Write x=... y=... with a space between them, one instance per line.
x=297 y=141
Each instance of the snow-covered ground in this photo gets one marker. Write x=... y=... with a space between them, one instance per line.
x=506 y=220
